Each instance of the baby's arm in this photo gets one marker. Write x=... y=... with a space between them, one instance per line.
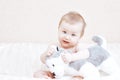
x=50 y=50
x=82 y=54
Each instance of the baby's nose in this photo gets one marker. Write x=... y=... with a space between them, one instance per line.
x=67 y=37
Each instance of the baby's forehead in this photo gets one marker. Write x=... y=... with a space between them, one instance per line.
x=74 y=28
x=71 y=24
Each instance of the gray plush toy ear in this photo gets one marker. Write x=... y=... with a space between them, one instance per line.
x=100 y=40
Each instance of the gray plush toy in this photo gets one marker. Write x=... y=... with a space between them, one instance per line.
x=98 y=53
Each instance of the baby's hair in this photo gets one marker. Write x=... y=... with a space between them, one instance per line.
x=73 y=18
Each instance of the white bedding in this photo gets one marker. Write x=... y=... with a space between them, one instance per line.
x=18 y=61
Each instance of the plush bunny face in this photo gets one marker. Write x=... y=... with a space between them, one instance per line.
x=56 y=66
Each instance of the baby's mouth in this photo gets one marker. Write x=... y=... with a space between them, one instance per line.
x=66 y=42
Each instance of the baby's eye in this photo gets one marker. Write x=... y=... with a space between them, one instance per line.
x=64 y=32
x=73 y=34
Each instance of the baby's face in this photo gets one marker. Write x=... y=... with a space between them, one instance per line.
x=69 y=34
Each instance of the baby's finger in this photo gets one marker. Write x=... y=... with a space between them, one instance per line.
x=50 y=52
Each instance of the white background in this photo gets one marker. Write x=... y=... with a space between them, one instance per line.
x=37 y=20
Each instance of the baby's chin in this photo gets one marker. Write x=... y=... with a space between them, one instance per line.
x=66 y=46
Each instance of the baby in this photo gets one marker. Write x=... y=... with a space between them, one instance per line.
x=70 y=30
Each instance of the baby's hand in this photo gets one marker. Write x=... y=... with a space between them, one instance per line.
x=51 y=49
x=66 y=57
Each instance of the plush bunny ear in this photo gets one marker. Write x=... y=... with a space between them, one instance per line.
x=57 y=53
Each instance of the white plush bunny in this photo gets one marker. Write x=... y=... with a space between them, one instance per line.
x=58 y=68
